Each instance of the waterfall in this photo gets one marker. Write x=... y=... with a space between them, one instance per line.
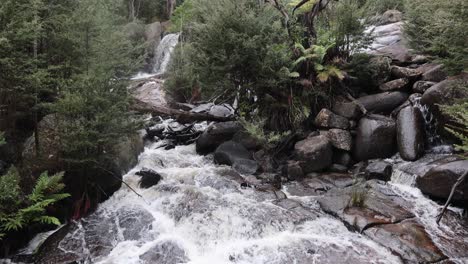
x=163 y=52
x=434 y=142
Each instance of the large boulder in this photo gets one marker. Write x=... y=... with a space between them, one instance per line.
x=148 y=178
x=314 y=153
x=410 y=133
x=433 y=72
x=446 y=92
x=389 y=17
x=376 y=138
x=438 y=181
x=234 y=154
x=422 y=86
x=383 y=102
x=328 y=119
x=340 y=139
x=408 y=73
x=379 y=169
x=350 y=110
x=215 y=135
x=395 y=85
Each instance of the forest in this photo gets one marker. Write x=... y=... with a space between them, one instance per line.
x=233 y=131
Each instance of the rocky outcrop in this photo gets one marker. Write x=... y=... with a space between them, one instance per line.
x=383 y=102
x=376 y=138
x=235 y=155
x=314 y=153
x=409 y=240
x=438 y=181
x=328 y=119
x=215 y=135
x=410 y=133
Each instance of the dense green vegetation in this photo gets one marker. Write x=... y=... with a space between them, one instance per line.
x=459 y=125
x=439 y=28
x=274 y=61
x=18 y=210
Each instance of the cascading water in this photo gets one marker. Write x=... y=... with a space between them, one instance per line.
x=434 y=142
x=163 y=52
x=162 y=57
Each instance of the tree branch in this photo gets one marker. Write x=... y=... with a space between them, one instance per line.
x=457 y=183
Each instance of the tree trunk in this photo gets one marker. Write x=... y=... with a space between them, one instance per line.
x=170 y=6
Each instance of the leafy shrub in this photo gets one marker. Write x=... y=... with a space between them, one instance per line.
x=369 y=72
x=438 y=28
x=256 y=130
x=18 y=212
x=380 y=6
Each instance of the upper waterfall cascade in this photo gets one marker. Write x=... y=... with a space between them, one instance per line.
x=163 y=52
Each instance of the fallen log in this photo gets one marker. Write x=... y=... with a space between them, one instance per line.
x=179 y=115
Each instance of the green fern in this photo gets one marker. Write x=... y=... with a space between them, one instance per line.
x=16 y=214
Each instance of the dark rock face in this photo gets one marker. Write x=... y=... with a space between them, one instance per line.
x=446 y=92
x=376 y=138
x=402 y=72
x=149 y=178
x=216 y=134
x=422 y=86
x=380 y=170
x=383 y=102
x=438 y=181
x=347 y=109
x=395 y=85
x=340 y=139
x=342 y=158
x=328 y=119
x=410 y=133
x=235 y=155
x=409 y=240
x=314 y=153
x=165 y=253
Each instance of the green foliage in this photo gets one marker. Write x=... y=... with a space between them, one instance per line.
x=369 y=72
x=182 y=16
x=231 y=47
x=380 y=6
x=438 y=28
x=18 y=212
x=358 y=193
x=459 y=115
x=256 y=130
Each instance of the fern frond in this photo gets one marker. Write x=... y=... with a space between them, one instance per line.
x=47 y=220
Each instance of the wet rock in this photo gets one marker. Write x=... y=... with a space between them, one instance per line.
x=328 y=119
x=409 y=240
x=294 y=170
x=154 y=131
x=264 y=160
x=167 y=252
x=380 y=170
x=247 y=140
x=422 y=86
x=340 y=139
x=383 y=102
x=395 y=85
x=149 y=178
x=376 y=138
x=313 y=153
x=235 y=155
x=410 y=133
x=347 y=109
x=446 y=92
x=438 y=181
x=380 y=206
x=408 y=73
x=434 y=73
x=215 y=135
